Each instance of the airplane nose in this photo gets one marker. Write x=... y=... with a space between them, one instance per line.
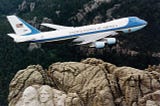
x=143 y=22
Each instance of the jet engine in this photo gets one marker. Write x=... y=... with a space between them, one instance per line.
x=99 y=44
x=110 y=41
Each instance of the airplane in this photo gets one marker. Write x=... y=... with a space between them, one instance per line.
x=97 y=35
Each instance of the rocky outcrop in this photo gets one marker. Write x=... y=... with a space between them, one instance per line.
x=118 y=49
x=91 y=82
x=156 y=55
x=24 y=78
x=26 y=6
x=32 y=6
x=22 y=6
x=110 y=11
x=88 y=8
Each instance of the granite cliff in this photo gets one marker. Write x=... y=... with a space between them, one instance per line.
x=91 y=82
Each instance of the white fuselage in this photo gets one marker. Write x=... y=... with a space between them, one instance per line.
x=120 y=25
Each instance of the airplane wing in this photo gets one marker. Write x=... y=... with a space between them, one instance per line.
x=88 y=39
x=54 y=26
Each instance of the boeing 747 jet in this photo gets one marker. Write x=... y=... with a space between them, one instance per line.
x=92 y=35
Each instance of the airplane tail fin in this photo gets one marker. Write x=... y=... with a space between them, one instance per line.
x=21 y=27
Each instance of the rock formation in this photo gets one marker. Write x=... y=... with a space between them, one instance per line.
x=91 y=82
x=26 y=6
x=118 y=49
x=32 y=6
x=87 y=8
x=45 y=96
x=110 y=11
x=23 y=6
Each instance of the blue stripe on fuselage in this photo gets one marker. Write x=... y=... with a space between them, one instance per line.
x=130 y=24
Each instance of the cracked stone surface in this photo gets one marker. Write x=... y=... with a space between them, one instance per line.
x=91 y=82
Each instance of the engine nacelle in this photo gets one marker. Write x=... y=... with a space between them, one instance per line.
x=99 y=44
x=110 y=41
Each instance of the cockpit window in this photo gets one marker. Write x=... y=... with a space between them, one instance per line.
x=134 y=19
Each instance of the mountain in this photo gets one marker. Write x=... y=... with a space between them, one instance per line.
x=137 y=50
x=91 y=82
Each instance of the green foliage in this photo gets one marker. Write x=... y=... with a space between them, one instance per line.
x=8 y=6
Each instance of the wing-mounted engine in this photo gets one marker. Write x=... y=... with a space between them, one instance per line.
x=110 y=41
x=98 y=44
x=101 y=44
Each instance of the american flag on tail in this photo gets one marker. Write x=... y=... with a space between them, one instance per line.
x=19 y=25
